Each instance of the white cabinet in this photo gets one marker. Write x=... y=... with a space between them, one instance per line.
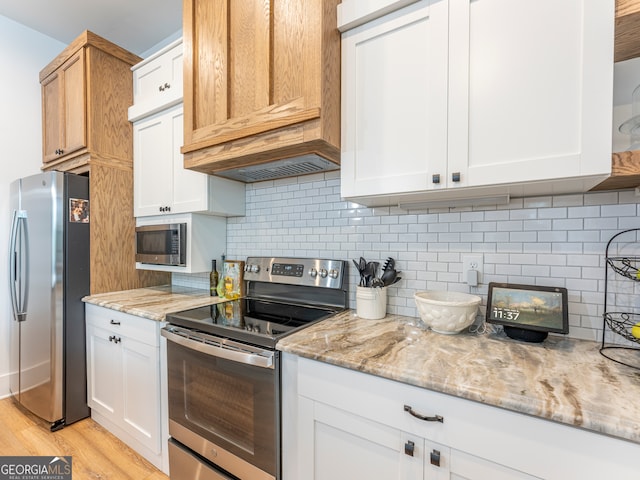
x=162 y=186
x=462 y=99
x=394 y=102
x=124 y=378
x=348 y=446
x=340 y=424
x=157 y=81
x=161 y=183
x=206 y=240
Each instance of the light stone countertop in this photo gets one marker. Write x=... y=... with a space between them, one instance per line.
x=154 y=303
x=562 y=379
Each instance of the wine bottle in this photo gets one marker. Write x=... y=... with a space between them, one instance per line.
x=213 y=279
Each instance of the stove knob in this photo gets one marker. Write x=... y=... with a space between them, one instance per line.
x=323 y=272
x=256 y=329
x=255 y=268
x=313 y=273
x=333 y=273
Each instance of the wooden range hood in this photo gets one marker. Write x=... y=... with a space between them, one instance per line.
x=625 y=166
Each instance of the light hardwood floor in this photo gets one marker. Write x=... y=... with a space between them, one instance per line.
x=96 y=453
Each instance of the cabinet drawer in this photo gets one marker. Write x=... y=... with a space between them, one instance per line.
x=137 y=328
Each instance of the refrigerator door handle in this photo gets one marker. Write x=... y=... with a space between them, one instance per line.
x=19 y=284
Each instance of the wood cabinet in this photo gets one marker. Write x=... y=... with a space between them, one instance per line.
x=261 y=82
x=461 y=99
x=625 y=168
x=123 y=380
x=86 y=91
x=63 y=112
x=342 y=424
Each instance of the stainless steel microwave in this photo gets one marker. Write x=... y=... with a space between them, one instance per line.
x=162 y=244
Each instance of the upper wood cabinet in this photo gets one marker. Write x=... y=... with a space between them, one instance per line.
x=625 y=166
x=627 y=27
x=86 y=91
x=63 y=94
x=261 y=82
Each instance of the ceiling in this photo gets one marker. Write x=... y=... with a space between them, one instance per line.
x=136 y=25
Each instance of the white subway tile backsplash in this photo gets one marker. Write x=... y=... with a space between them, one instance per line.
x=601 y=198
x=568 y=200
x=538 y=202
x=550 y=240
x=621 y=210
x=558 y=212
x=523 y=214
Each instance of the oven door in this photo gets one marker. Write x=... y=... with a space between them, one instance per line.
x=224 y=401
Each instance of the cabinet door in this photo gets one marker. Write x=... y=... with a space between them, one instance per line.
x=338 y=445
x=64 y=114
x=140 y=390
x=75 y=136
x=394 y=102
x=152 y=168
x=161 y=183
x=190 y=188
x=52 y=116
x=158 y=82
x=468 y=467
x=530 y=89
x=104 y=372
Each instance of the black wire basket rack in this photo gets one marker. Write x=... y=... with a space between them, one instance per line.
x=626 y=324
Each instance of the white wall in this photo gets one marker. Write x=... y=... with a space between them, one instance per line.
x=23 y=53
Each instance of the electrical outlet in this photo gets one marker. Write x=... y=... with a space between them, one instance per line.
x=472 y=262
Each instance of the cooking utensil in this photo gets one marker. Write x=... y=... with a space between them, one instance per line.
x=389 y=276
x=370 y=273
x=390 y=264
x=360 y=272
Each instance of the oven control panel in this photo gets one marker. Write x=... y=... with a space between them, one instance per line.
x=296 y=271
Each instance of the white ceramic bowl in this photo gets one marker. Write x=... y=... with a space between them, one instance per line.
x=447 y=312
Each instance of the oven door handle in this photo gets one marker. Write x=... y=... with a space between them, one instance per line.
x=246 y=358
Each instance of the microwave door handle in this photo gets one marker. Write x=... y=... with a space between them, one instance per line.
x=19 y=272
x=227 y=354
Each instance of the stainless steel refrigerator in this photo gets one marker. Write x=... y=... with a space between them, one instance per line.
x=48 y=276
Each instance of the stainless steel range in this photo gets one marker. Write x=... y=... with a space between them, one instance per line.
x=224 y=370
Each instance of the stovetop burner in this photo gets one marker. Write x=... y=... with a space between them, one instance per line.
x=284 y=295
x=254 y=321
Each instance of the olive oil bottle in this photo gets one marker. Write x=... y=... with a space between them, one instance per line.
x=213 y=280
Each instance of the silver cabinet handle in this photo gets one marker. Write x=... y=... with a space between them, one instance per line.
x=435 y=418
